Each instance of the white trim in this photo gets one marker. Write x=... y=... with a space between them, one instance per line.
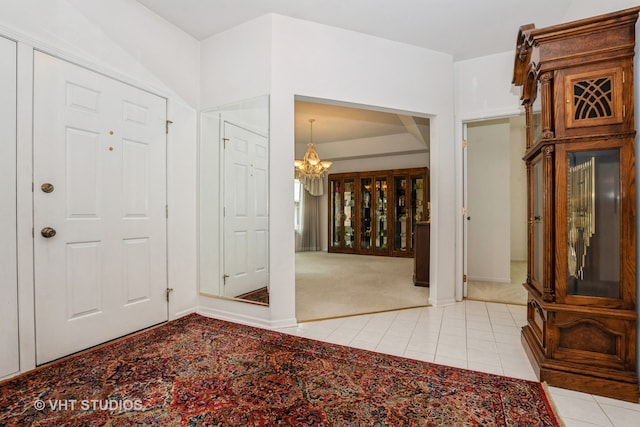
x=183 y=313
x=442 y=303
x=235 y=317
x=26 y=310
x=489 y=279
x=496 y=113
x=284 y=323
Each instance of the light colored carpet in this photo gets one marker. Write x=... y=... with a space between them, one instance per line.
x=509 y=293
x=335 y=285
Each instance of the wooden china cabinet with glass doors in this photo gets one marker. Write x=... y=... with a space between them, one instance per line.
x=577 y=88
x=375 y=212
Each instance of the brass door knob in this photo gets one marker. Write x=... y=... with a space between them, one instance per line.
x=48 y=232
x=47 y=187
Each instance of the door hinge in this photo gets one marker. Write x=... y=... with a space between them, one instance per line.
x=224 y=279
x=464 y=143
x=166 y=211
x=168 y=292
x=224 y=142
x=32 y=187
x=464 y=278
x=167 y=123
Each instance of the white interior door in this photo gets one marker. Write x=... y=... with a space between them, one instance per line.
x=101 y=145
x=9 y=357
x=488 y=201
x=246 y=212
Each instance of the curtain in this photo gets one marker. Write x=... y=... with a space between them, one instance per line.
x=313 y=184
x=310 y=222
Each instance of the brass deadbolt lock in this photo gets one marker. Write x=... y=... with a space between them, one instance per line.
x=47 y=188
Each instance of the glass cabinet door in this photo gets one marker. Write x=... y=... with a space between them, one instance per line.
x=400 y=228
x=536 y=219
x=366 y=213
x=417 y=204
x=593 y=223
x=349 y=210
x=336 y=214
x=380 y=197
x=343 y=211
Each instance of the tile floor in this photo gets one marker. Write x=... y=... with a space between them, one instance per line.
x=470 y=334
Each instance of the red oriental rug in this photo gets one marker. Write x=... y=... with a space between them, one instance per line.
x=201 y=371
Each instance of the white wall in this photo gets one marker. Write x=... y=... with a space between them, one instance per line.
x=312 y=60
x=109 y=35
x=318 y=61
x=106 y=37
x=417 y=160
x=236 y=64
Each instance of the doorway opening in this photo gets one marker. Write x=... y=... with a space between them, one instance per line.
x=495 y=229
x=355 y=139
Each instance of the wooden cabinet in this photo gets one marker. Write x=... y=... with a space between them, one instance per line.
x=421 y=254
x=374 y=212
x=577 y=90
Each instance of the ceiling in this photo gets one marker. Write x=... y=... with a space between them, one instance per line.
x=341 y=123
x=462 y=28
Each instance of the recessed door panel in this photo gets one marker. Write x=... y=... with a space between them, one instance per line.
x=84 y=279
x=241 y=254
x=262 y=245
x=136 y=270
x=135 y=159
x=137 y=114
x=82 y=173
x=82 y=98
x=240 y=201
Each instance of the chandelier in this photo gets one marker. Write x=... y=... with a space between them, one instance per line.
x=310 y=165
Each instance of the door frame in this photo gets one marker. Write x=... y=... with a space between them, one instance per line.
x=26 y=46
x=461 y=161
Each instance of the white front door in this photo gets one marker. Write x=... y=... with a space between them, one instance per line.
x=99 y=183
x=246 y=212
x=9 y=360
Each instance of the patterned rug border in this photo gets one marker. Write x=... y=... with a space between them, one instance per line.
x=323 y=349
x=89 y=351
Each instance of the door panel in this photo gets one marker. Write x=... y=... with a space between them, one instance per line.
x=246 y=220
x=102 y=145
x=9 y=357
